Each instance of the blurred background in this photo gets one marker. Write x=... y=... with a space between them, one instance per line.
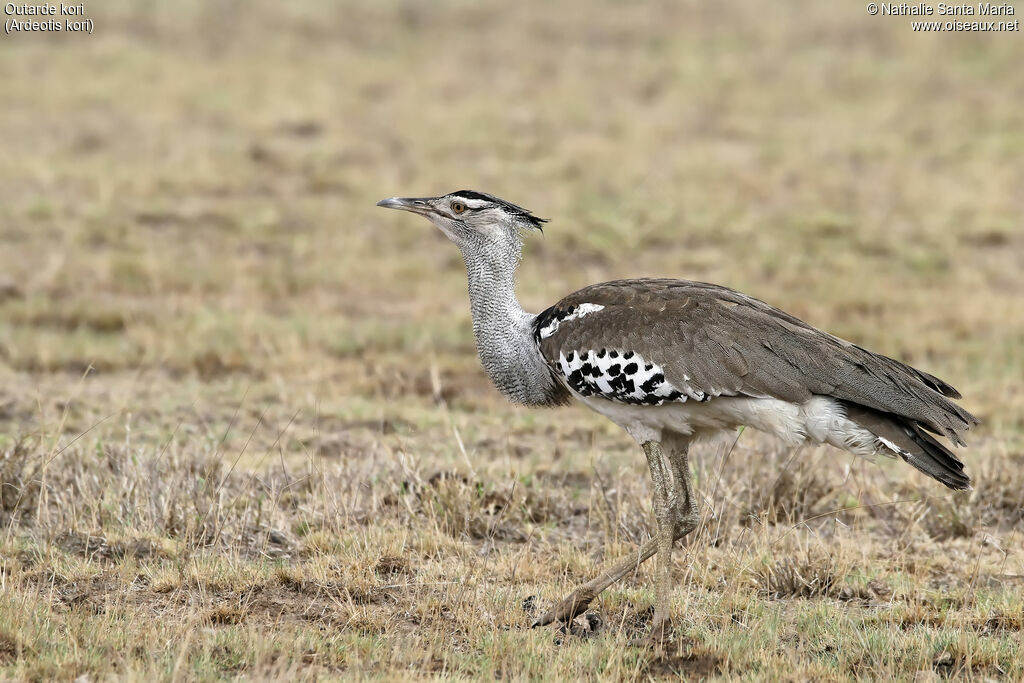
x=191 y=189
x=190 y=252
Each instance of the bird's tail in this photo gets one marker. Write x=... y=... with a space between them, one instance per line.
x=909 y=440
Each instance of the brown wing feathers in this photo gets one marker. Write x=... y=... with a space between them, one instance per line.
x=720 y=341
x=915 y=446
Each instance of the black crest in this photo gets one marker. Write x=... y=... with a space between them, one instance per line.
x=518 y=211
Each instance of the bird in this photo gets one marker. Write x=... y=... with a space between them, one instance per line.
x=673 y=361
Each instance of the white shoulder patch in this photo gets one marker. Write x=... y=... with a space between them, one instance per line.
x=575 y=314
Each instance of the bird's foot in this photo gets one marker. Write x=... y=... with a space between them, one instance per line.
x=568 y=609
x=587 y=625
x=658 y=637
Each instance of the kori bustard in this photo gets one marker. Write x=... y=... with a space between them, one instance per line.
x=672 y=360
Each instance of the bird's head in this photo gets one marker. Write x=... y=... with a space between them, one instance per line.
x=477 y=222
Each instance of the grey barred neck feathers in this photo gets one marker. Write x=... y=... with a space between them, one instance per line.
x=504 y=332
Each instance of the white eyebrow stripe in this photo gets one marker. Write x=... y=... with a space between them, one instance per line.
x=474 y=203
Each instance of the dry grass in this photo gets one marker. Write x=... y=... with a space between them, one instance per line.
x=242 y=428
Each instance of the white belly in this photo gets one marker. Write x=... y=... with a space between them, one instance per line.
x=820 y=420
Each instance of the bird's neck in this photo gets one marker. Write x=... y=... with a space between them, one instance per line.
x=504 y=331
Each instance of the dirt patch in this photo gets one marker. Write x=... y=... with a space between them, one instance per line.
x=225 y=615
x=9 y=289
x=210 y=365
x=99 y=321
x=10 y=648
x=695 y=664
x=385 y=425
x=19 y=479
x=97 y=546
x=391 y=566
x=276 y=604
x=1002 y=622
x=811 y=576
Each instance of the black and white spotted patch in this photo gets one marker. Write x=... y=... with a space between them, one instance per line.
x=621 y=376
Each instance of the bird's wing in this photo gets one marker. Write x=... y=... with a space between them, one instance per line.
x=683 y=340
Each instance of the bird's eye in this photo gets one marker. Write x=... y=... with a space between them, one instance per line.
x=458 y=207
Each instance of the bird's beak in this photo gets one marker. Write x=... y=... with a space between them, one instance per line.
x=416 y=205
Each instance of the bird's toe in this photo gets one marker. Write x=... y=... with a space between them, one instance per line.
x=568 y=609
x=658 y=637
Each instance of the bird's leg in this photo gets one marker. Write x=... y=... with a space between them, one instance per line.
x=685 y=512
x=684 y=518
x=682 y=514
x=663 y=477
x=577 y=602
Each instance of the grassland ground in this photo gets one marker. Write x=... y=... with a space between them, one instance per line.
x=243 y=431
